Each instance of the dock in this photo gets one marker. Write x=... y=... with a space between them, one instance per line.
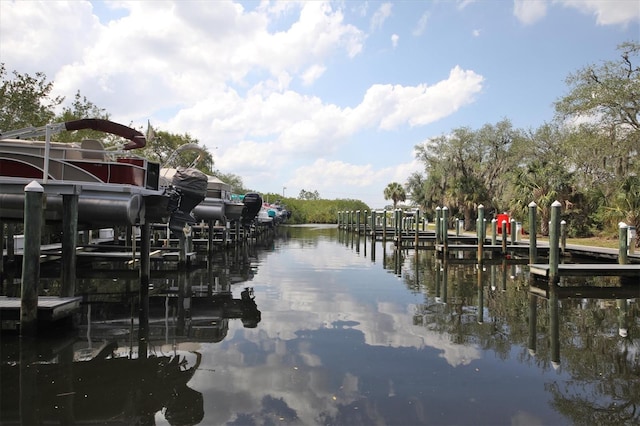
x=587 y=270
x=50 y=308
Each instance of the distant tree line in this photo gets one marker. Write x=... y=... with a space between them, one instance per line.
x=586 y=158
x=315 y=210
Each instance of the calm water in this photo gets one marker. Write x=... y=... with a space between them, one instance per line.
x=315 y=326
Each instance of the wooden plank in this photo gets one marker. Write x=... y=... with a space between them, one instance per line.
x=50 y=308
x=574 y=292
x=587 y=269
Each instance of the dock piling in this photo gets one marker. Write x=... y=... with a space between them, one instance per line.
x=34 y=194
x=533 y=244
x=69 y=238
x=623 y=259
x=554 y=242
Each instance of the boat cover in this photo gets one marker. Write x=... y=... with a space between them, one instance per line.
x=189 y=179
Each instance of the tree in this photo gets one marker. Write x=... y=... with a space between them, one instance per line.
x=469 y=167
x=608 y=97
x=308 y=195
x=237 y=186
x=395 y=192
x=609 y=92
x=416 y=185
x=543 y=175
x=25 y=100
x=172 y=150
x=81 y=108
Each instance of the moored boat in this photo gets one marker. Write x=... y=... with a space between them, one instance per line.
x=114 y=187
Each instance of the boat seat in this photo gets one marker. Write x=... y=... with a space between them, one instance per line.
x=92 y=149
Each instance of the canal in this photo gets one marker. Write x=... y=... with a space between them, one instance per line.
x=316 y=326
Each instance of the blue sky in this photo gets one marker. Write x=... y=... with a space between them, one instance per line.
x=321 y=96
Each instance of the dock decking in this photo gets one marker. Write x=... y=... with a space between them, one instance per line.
x=587 y=270
x=49 y=308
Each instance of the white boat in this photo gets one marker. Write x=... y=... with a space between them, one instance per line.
x=220 y=203
x=113 y=186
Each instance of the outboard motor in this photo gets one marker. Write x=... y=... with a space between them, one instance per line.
x=252 y=204
x=191 y=186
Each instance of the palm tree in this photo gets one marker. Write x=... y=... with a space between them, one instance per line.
x=394 y=191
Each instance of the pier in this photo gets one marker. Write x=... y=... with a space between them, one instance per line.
x=408 y=230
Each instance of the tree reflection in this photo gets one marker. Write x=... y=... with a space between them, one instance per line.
x=583 y=328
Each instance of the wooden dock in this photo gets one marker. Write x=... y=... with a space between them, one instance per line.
x=591 y=292
x=587 y=270
x=49 y=308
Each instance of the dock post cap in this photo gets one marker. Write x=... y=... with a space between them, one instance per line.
x=494 y=220
x=480 y=206
x=438 y=208
x=556 y=203
x=623 y=225
x=563 y=222
x=533 y=204
x=33 y=186
x=445 y=208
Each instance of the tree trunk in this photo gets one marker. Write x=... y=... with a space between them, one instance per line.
x=468 y=219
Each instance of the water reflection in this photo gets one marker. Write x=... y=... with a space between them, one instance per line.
x=124 y=364
x=599 y=352
x=303 y=328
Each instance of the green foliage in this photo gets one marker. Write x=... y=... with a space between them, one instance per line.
x=81 y=108
x=315 y=211
x=172 y=150
x=309 y=195
x=237 y=186
x=25 y=100
x=395 y=192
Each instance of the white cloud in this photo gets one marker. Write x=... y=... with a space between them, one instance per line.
x=529 y=11
x=608 y=12
x=394 y=40
x=421 y=26
x=313 y=73
x=381 y=15
x=394 y=105
x=464 y=3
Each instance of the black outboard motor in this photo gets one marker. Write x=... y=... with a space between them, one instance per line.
x=252 y=205
x=191 y=185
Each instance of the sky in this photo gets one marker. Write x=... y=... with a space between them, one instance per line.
x=312 y=95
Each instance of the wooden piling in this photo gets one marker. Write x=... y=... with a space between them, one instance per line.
x=554 y=242
x=480 y=232
x=1 y=254
x=417 y=228
x=445 y=233
x=437 y=225
x=144 y=276
x=480 y=286
x=384 y=225
x=494 y=231
x=69 y=239
x=533 y=232
x=31 y=258
x=563 y=237
x=623 y=258
x=373 y=224
x=503 y=229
